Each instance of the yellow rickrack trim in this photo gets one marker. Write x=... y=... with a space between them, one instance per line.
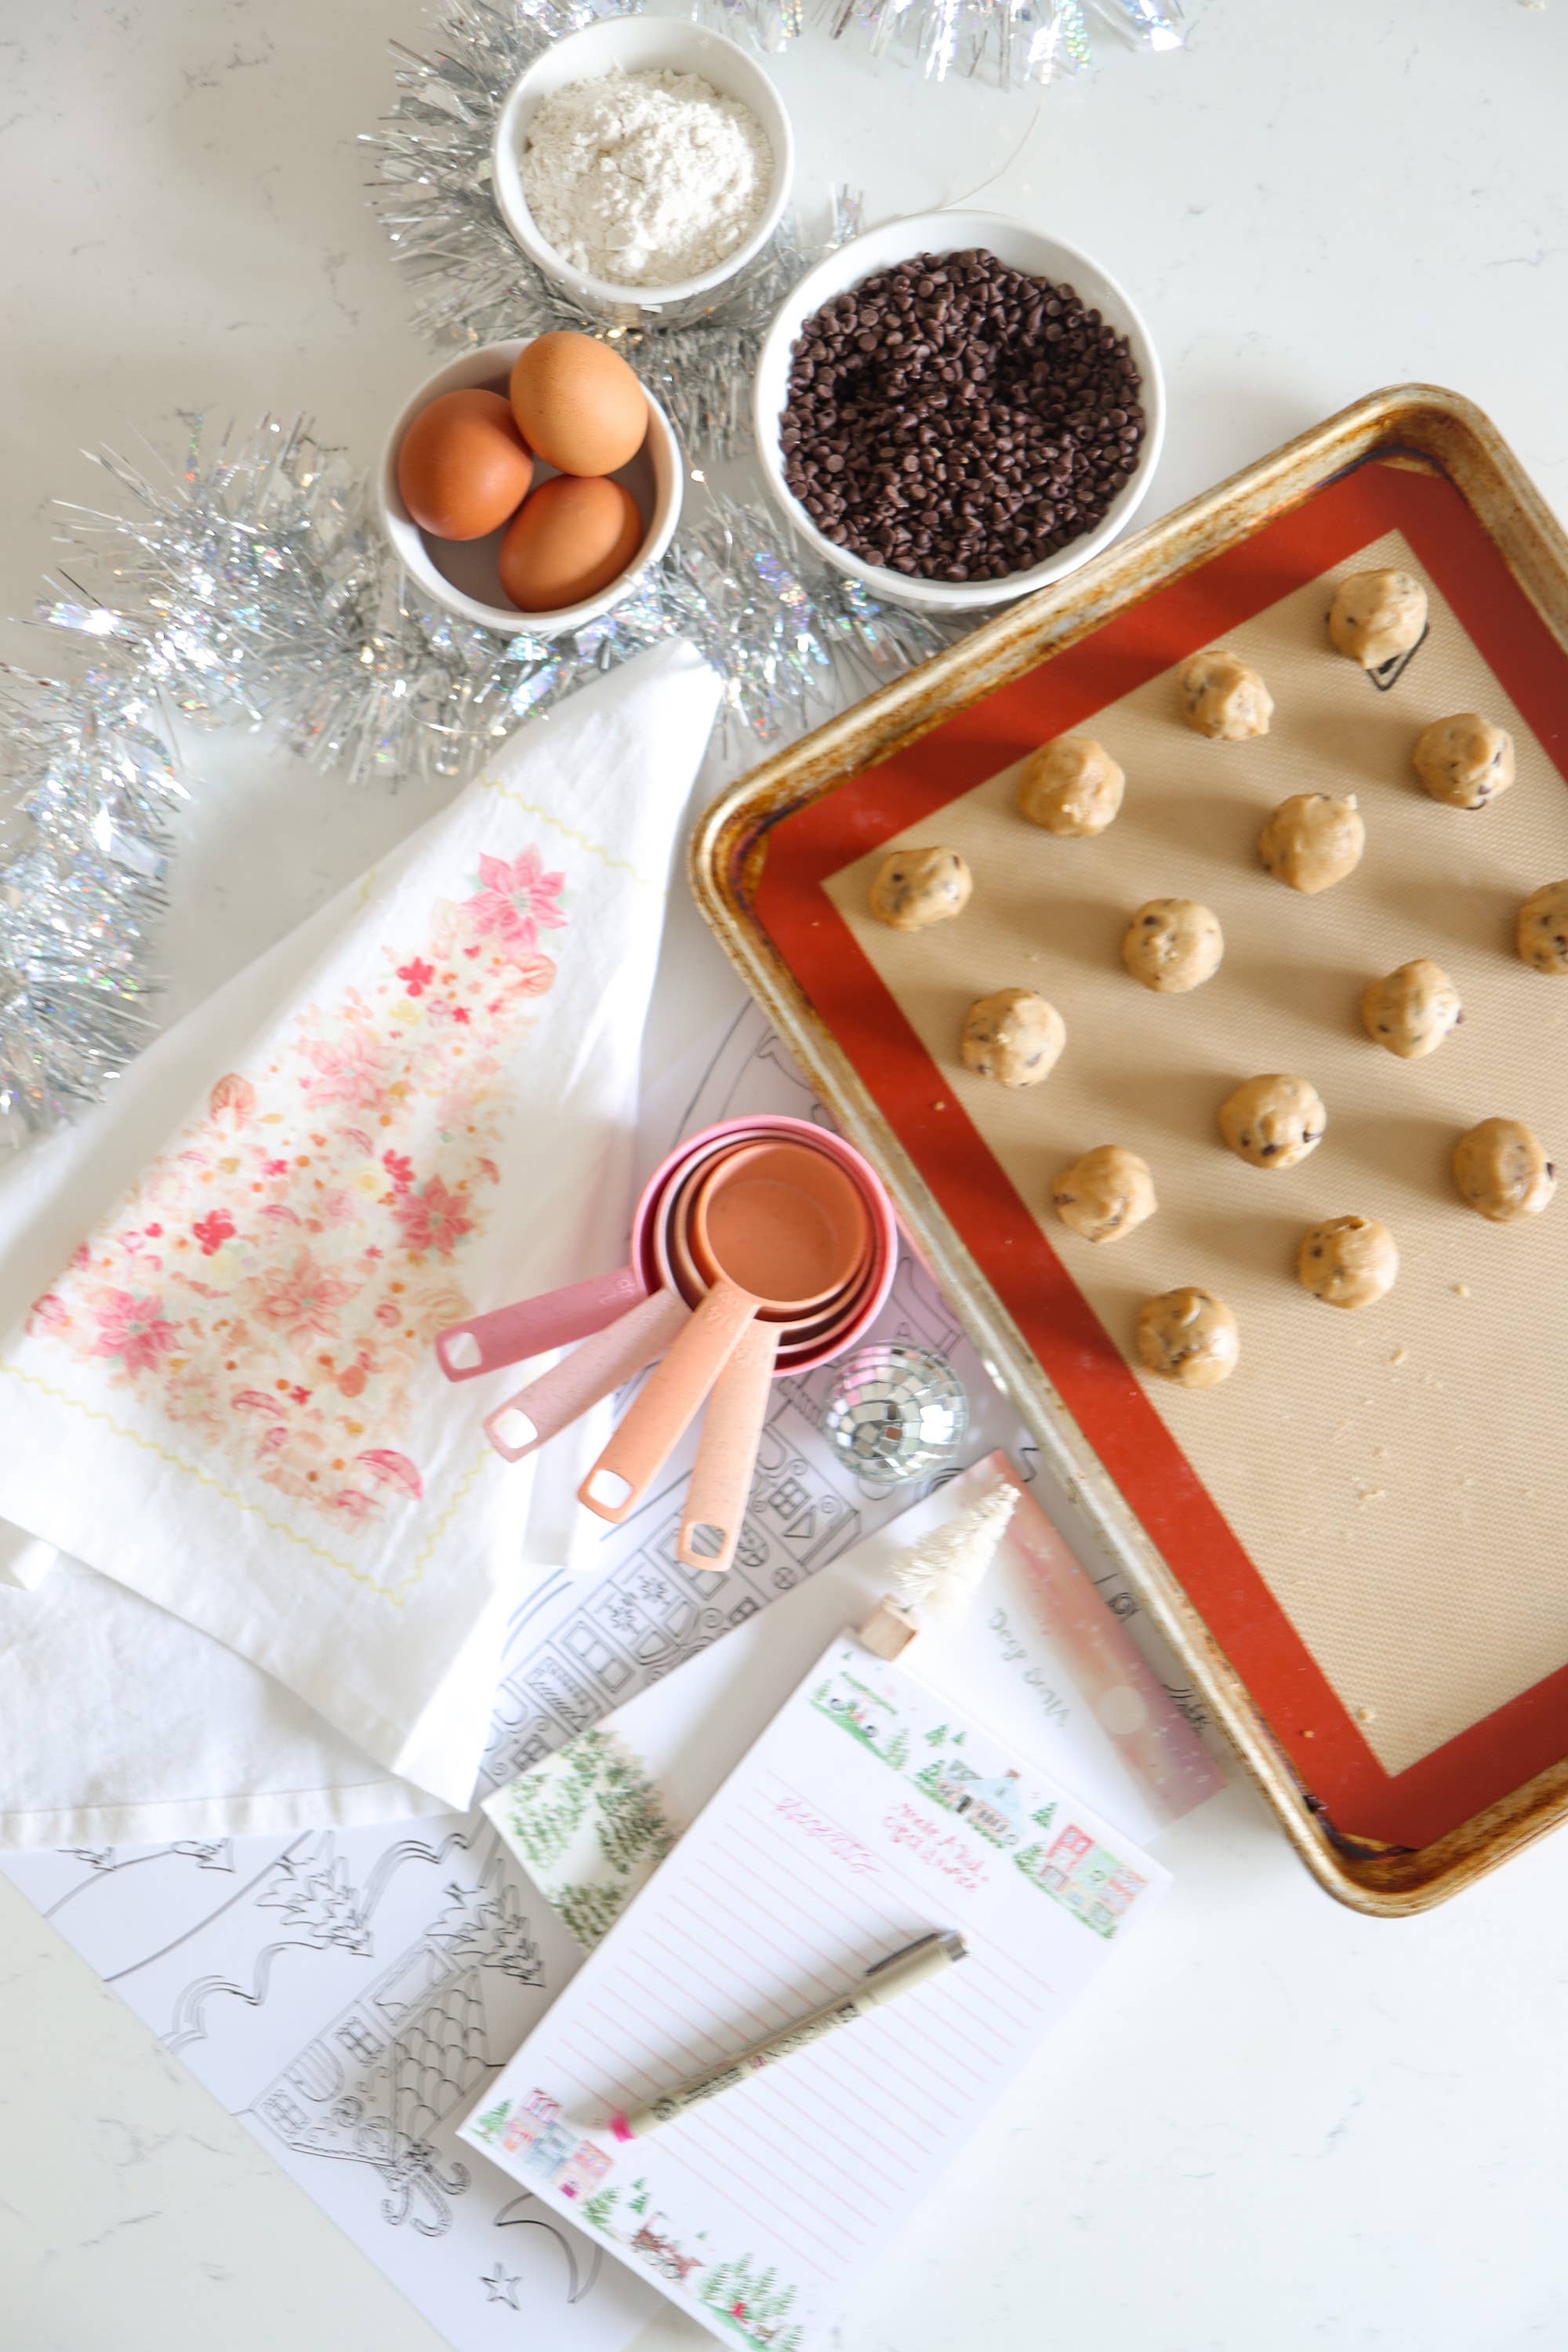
x=396 y=1594
x=616 y=865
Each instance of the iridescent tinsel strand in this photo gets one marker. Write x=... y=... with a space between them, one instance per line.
x=1013 y=42
x=251 y=582
x=91 y=783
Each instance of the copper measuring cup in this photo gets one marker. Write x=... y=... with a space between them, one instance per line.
x=732 y=1427
x=786 y=1229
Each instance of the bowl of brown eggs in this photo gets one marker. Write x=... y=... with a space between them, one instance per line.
x=524 y=486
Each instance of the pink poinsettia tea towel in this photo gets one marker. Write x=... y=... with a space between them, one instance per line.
x=226 y=1399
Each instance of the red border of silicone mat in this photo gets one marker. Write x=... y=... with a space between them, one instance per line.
x=1327 y=1750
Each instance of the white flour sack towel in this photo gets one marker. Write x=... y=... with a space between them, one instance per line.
x=217 y=1299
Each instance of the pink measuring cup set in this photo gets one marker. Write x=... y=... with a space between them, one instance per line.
x=760 y=1247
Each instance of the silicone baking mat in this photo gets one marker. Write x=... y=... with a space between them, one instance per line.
x=1367 y=1514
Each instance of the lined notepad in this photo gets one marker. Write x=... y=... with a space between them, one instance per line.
x=868 y=1813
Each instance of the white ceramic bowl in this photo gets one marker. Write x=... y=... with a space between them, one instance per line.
x=1021 y=248
x=462 y=574
x=639 y=45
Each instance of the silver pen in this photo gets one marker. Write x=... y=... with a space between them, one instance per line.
x=885 y=1980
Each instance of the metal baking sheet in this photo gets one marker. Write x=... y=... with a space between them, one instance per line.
x=1350 y=1542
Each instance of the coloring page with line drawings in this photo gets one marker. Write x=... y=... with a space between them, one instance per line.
x=350 y=1993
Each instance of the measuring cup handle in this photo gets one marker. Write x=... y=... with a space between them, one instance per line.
x=532 y=1327
x=660 y=1416
x=595 y=1370
x=726 y=1456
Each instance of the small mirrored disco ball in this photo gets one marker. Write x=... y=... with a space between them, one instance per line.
x=895 y=1412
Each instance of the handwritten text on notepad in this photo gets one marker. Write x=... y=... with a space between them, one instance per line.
x=938 y=1849
x=835 y=1841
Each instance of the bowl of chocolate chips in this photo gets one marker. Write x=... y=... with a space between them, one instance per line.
x=957 y=409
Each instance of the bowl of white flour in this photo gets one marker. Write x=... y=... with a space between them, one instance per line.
x=641 y=164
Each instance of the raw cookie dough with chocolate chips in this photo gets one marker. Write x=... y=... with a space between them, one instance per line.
x=1071 y=787
x=1104 y=1195
x=1012 y=1037
x=1172 y=944
x=1224 y=698
x=1313 y=841
x=1464 y=762
x=1502 y=1173
x=1348 y=1261
x=1189 y=1336
x=917 y=888
x=1273 y=1121
x=1544 y=928
x=1377 y=615
x=1411 y=1010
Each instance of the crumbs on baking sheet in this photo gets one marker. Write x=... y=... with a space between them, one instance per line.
x=1400 y=1354
x=1462 y=1290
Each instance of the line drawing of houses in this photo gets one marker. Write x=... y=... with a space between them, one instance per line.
x=374 y=2085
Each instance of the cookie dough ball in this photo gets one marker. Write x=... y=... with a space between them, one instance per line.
x=1273 y=1121
x=1377 y=616
x=1413 y=1010
x=1544 y=927
x=1188 y=1335
x=917 y=888
x=1172 y=944
x=1313 y=841
x=1464 y=762
x=1223 y=696
x=1013 y=1036
x=1502 y=1173
x=1348 y=1261
x=1105 y=1194
x=1071 y=787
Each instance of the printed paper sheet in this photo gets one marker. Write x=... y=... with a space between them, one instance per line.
x=349 y=1994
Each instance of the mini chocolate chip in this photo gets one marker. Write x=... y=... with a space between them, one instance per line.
x=888 y=376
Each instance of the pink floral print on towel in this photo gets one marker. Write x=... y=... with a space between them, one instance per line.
x=273 y=1283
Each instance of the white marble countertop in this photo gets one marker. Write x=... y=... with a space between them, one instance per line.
x=1276 y=2124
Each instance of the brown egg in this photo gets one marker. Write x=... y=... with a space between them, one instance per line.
x=575 y=535
x=463 y=467
x=578 y=404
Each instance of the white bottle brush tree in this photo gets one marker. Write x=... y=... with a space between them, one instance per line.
x=936 y=1578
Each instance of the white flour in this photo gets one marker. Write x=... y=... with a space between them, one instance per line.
x=645 y=178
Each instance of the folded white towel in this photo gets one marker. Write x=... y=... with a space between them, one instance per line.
x=226 y=1399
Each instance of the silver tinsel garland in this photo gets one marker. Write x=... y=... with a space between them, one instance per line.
x=471 y=284
x=86 y=787
x=251 y=582
x=1012 y=42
